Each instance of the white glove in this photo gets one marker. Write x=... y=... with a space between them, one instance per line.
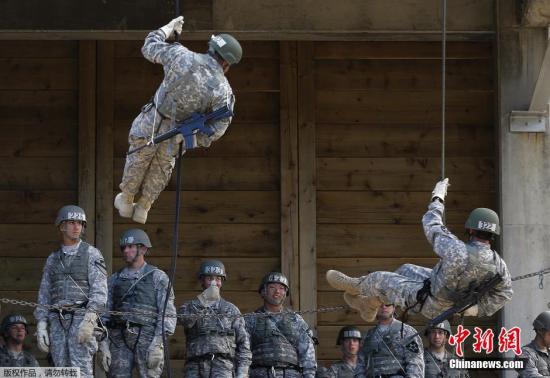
x=472 y=311
x=42 y=337
x=209 y=296
x=86 y=329
x=175 y=25
x=440 y=190
x=155 y=356
x=105 y=354
x=242 y=372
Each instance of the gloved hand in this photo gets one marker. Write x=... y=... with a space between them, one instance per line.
x=209 y=296
x=472 y=311
x=105 y=354
x=175 y=25
x=242 y=372
x=42 y=337
x=86 y=329
x=155 y=356
x=440 y=190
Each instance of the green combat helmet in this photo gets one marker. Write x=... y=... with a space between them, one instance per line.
x=444 y=326
x=542 y=322
x=274 y=277
x=483 y=219
x=348 y=332
x=10 y=320
x=70 y=212
x=226 y=46
x=135 y=236
x=212 y=268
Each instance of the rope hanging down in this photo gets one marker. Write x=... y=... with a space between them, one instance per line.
x=443 y=82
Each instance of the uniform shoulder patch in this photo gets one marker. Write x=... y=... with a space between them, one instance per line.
x=413 y=347
x=100 y=265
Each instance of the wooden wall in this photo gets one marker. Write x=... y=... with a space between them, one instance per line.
x=329 y=162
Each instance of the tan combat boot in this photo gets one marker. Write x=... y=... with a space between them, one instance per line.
x=124 y=202
x=141 y=210
x=340 y=281
x=367 y=306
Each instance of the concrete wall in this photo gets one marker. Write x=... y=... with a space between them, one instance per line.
x=525 y=171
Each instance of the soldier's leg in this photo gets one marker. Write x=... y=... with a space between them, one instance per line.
x=141 y=358
x=81 y=355
x=221 y=368
x=414 y=272
x=58 y=341
x=391 y=288
x=258 y=373
x=196 y=370
x=122 y=358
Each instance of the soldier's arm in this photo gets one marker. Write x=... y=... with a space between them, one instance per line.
x=97 y=279
x=243 y=355
x=105 y=317
x=497 y=297
x=445 y=244
x=187 y=309
x=530 y=370
x=44 y=297
x=224 y=97
x=156 y=50
x=160 y=281
x=305 y=348
x=414 y=356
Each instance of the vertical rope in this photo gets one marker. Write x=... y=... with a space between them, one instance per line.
x=443 y=83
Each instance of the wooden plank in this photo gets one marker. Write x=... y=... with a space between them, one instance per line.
x=250 y=107
x=86 y=133
x=373 y=240
x=404 y=174
x=37 y=173
x=45 y=139
x=394 y=207
x=220 y=173
x=348 y=74
x=200 y=240
x=307 y=184
x=406 y=140
x=402 y=50
x=250 y=75
x=290 y=252
x=38 y=74
x=33 y=206
x=38 y=49
x=35 y=107
x=28 y=240
x=399 y=107
x=104 y=158
x=215 y=207
x=240 y=140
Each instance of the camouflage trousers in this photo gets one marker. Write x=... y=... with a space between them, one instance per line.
x=65 y=349
x=209 y=368
x=129 y=351
x=401 y=287
x=273 y=373
x=149 y=169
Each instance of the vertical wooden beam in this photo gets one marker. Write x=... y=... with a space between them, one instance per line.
x=289 y=168
x=307 y=180
x=86 y=132
x=105 y=160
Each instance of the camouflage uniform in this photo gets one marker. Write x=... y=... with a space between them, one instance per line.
x=461 y=267
x=282 y=345
x=141 y=290
x=192 y=83
x=342 y=369
x=74 y=275
x=538 y=361
x=384 y=354
x=215 y=346
x=439 y=368
x=14 y=359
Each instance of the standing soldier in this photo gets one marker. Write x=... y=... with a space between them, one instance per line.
x=462 y=267
x=349 y=340
x=217 y=344
x=436 y=356
x=536 y=354
x=136 y=341
x=74 y=278
x=281 y=341
x=192 y=83
x=384 y=352
x=14 y=330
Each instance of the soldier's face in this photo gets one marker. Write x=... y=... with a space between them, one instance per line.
x=385 y=311
x=546 y=338
x=17 y=333
x=351 y=346
x=130 y=252
x=71 y=229
x=437 y=338
x=206 y=281
x=275 y=293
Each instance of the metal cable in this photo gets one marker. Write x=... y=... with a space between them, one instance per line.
x=443 y=81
